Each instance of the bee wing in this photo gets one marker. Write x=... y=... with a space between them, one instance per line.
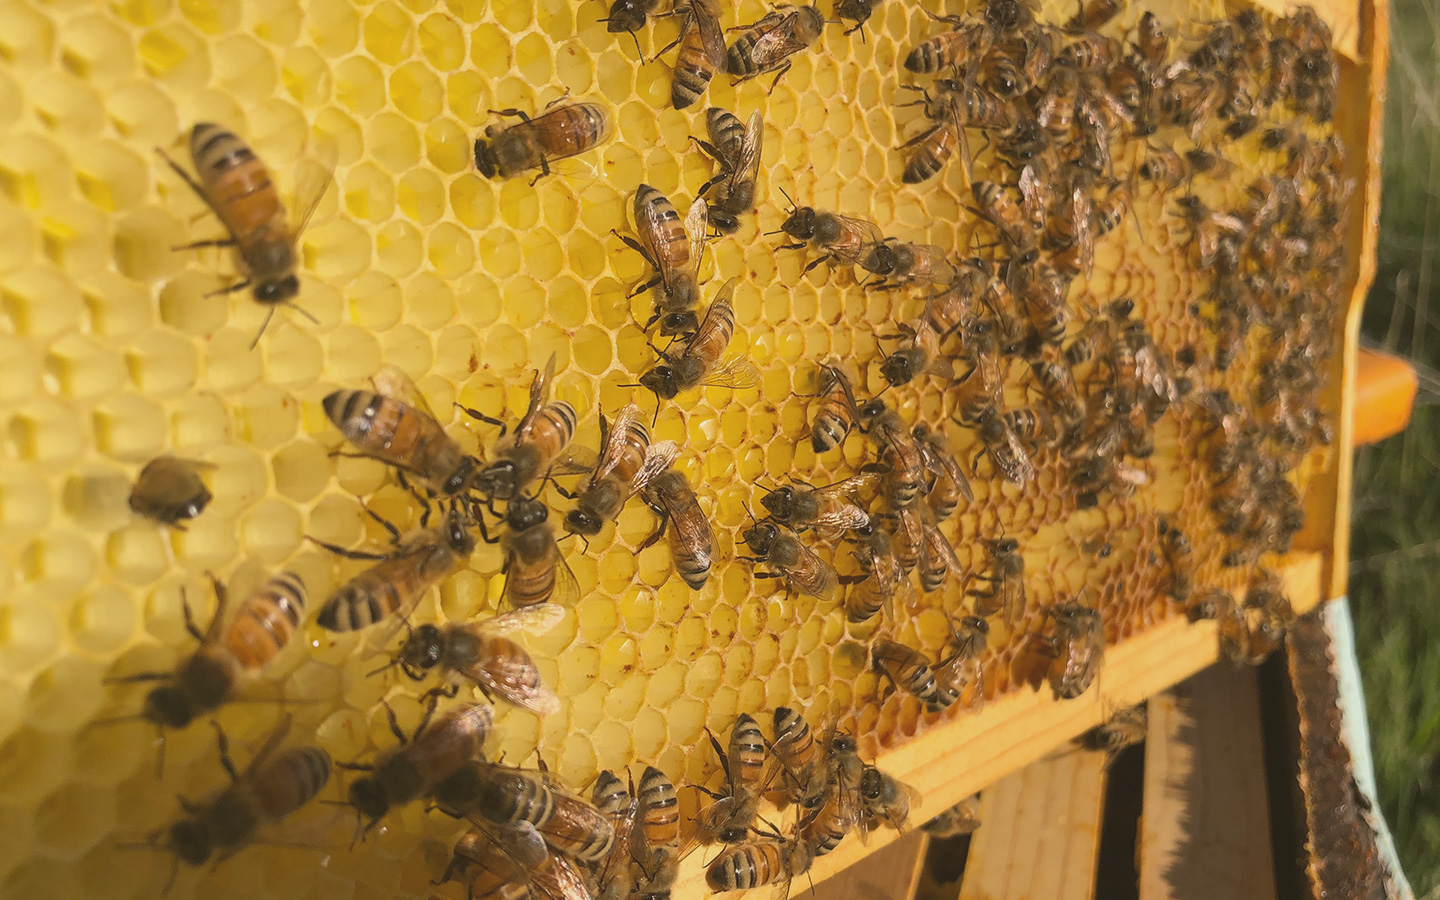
x=712 y=36
x=312 y=180
x=746 y=165
x=538 y=618
x=736 y=372
x=659 y=456
x=392 y=382
x=944 y=463
x=852 y=486
x=567 y=589
x=513 y=683
x=695 y=228
x=539 y=393
x=937 y=541
x=617 y=865
x=611 y=453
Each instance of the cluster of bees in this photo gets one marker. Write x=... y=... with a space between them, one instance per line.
x=1076 y=119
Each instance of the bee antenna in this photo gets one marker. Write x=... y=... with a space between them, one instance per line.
x=269 y=314
x=788 y=199
x=304 y=312
x=390 y=665
x=749 y=513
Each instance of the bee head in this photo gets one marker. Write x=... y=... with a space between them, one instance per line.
x=277 y=291
x=800 y=223
x=422 y=649
x=778 y=502
x=369 y=798
x=660 y=380
x=169 y=707
x=526 y=513
x=897 y=369
x=457 y=532
x=461 y=477
x=761 y=537
x=578 y=521
x=190 y=842
x=485 y=158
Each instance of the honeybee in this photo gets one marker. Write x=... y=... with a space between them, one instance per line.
x=1071 y=236
x=907 y=263
x=1208 y=228
x=960 y=673
x=908 y=540
x=1212 y=604
x=774 y=860
x=701 y=54
x=577 y=830
x=899 y=453
x=843 y=239
x=938 y=561
x=950 y=485
x=271 y=788
x=1006 y=594
x=1176 y=548
x=537 y=443
x=736 y=149
x=673 y=249
x=1056 y=382
x=556 y=134
x=1078 y=649
x=1007 y=454
x=933 y=147
x=1093 y=15
x=951 y=48
x=492 y=870
x=207 y=678
x=501 y=794
x=659 y=818
x=615 y=877
x=729 y=818
x=1152 y=43
x=800 y=757
x=1055 y=112
x=1125 y=728
x=907 y=670
x=835 y=412
x=886 y=801
x=885 y=578
x=558 y=879
x=692 y=547
x=953 y=309
x=829 y=509
x=980 y=393
x=234 y=183
x=961 y=819
x=436 y=751
x=918 y=354
x=699 y=365
x=839 y=810
x=1001 y=72
x=170 y=490
x=628 y=462
x=767 y=45
x=1165 y=167
x=395 y=425
x=1043 y=290
x=1000 y=210
x=421 y=559
x=535 y=570
x=480 y=652
x=802 y=568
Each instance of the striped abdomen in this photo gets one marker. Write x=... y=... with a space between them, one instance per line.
x=746 y=866
x=398 y=434
x=662 y=231
x=385 y=588
x=290 y=780
x=660 y=807
x=266 y=621
x=508 y=797
x=532 y=560
x=794 y=743
x=747 y=751
x=578 y=830
x=236 y=183
x=441 y=750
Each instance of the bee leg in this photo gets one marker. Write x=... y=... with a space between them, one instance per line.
x=196 y=245
x=778 y=75
x=386 y=523
x=448 y=691
x=348 y=553
x=512 y=113
x=488 y=420
x=814 y=262
x=223 y=745
x=190 y=626
x=659 y=529
x=229 y=289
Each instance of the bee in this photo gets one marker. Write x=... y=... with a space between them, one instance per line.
x=835 y=411
x=885 y=578
x=1176 y=548
x=907 y=263
x=629 y=16
x=1208 y=228
x=774 y=860
x=857 y=11
x=1078 y=649
x=951 y=48
x=1210 y=605
x=575 y=829
x=491 y=868
x=501 y=794
x=1093 y=15
x=960 y=673
x=953 y=309
x=699 y=365
x=436 y=751
x=1006 y=594
x=658 y=854
x=980 y=393
x=207 y=678
x=701 y=54
x=950 y=485
x=1002 y=74
x=419 y=560
x=1125 y=728
x=802 y=568
x=1034 y=427
x=480 y=652
x=799 y=756
x=843 y=239
x=1111 y=208
x=1055 y=111
x=692 y=547
x=1151 y=43
x=1164 y=167
x=961 y=819
x=170 y=490
x=1043 y=290
x=395 y=425
x=628 y=462
x=673 y=249
x=1071 y=225
x=1056 y=381
x=535 y=570
x=839 y=810
x=558 y=879
x=729 y=818
x=537 y=443
x=736 y=150
x=829 y=509
x=886 y=801
x=268 y=790
x=556 y=134
x=907 y=670
x=1000 y=210
x=932 y=149
x=899 y=453
x=1007 y=455
x=938 y=561
x=908 y=540
x=1034 y=197
x=918 y=354
x=767 y=45
x=234 y=183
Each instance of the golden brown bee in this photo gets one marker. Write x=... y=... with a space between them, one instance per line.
x=886 y=801
x=1042 y=290
x=829 y=509
x=907 y=670
x=395 y=425
x=932 y=149
x=767 y=45
x=802 y=568
x=950 y=485
x=436 y=751
x=917 y=354
x=1071 y=224
x=699 y=363
x=701 y=54
x=736 y=149
x=535 y=570
x=800 y=757
x=628 y=462
x=1034 y=427
x=673 y=249
x=908 y=540
x=577 y=830
x=692 y=546
x=271 y=788
x=1057 y=382
x=501 y=794
x=1165 y=167
x=1176 y=548
x=884 y=579
x=979 y=393
x=843 y=239
x=939 y=561
x=1212 y=604
x=1000 y=210
x=1001 y=72
x=1055 y=111
x=558 y=878
x=255 y=635
x=835 y=412
x=480 y=652
x=906 y=263
x=1152 y=43
x=826 y=826
x=758 y=863
x=537 y=443
x=729 y=818
x=556 y=134
x=1093 y=15
x=951 y=48
x=234 y=183
x=1006 y=594
x=490 y=868
x=170 y=490
x=616 y=876
x=420 y=560
x=1125 y=728
x=1078 y=649
x=960 y=674
x=899 y=453
x=1007 y=454
x=961 y=819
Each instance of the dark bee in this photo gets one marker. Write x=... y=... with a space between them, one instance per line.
x=905 y=263
x=907 y=670
x=843 y=239
x=830 y=509
x=767 y=45
x=950 y=485
x=1125 y=728
x=1078 y=649
x=917 y=354
x=170 y=490
x=886 y=801
x=961 y=819
x=565 y=131
x=803 y=570
x=736 y=149
x=899 y=453
x=857 y=11
x=885 y=578
x=1007 y=455
x=951 y=48
x=1006 y=594
x=629 y=16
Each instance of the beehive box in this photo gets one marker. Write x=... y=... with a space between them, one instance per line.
x=110 y=354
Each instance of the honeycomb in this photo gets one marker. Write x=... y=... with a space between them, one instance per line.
x=416 y=260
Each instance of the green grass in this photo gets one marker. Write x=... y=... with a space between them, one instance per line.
x=1395 y=569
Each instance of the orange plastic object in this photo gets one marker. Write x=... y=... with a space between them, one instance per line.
x=1384 y=396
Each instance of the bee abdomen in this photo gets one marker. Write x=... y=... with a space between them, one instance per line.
x=291 y=780
x=267 y=621
x=359 y=603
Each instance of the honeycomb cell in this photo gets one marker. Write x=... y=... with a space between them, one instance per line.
x=416 y=91
x=175 y=55
x=450 y=249
x=47 y=434
x=306 y=76
x=359 y=86
x=389 y=33
x=398 y=249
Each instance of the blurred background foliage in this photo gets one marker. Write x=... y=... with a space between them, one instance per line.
x=1395 y=570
